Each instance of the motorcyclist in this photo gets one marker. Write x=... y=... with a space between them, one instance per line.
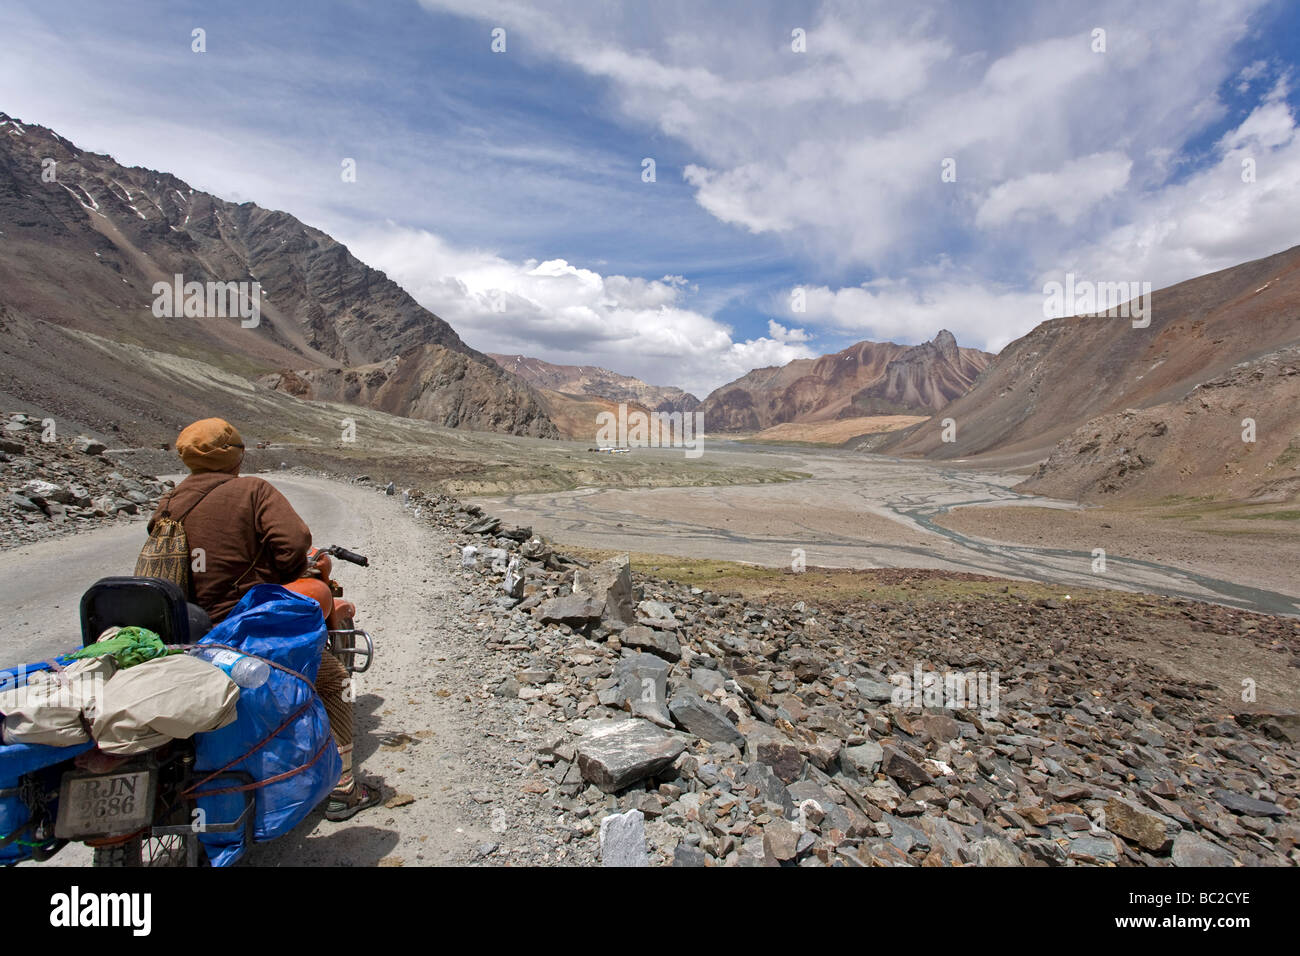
x=243 y=532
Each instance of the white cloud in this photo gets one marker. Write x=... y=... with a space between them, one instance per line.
x=781 y=334
x=892 y=310
x=1066 y=194
x=570 y=315
x=1216 y=218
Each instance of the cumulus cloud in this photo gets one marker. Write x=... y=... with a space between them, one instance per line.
x=976 y=314
x=571 y=315
x=781 y=334
x=1243 y=205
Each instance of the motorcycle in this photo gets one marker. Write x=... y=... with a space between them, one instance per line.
x=140 y=810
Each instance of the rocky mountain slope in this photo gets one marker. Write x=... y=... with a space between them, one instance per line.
x=85 y=239
x=1237 y=435
x=54 y=484
x=1068 y=371
x=576 y=396
x=590 y=380
x=869 y=378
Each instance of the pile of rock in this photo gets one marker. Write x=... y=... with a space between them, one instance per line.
x=57 y=486
x=695 y=728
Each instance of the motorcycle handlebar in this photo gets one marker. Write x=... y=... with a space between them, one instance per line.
x=344 y=554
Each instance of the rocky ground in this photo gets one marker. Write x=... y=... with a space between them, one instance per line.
x=695 y=728
x=61 y=485
x=531 y=707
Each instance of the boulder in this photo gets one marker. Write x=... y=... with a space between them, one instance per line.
x=660 y=643
x=535 y=548
x=771 y=788
x=622 y=840
x=710 y=680
x=609 y=583
x=642 y=685
x=1090 y=849
x=614 y=754
x=1248 y=806
x=43 y=491
x=875 y=691
x=656 y=614
x=485 y=525
x=861 y=762
x=1192 y=850
x=783 y=756
x=903 y=768
x=1278 y=724
x=685 y=855
x=781 y=840
x=1151 y=830
x=995 y=851
x=572 y=609
x=23 y=503
x=704 y=719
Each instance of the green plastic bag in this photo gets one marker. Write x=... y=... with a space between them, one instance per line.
x=128 y=647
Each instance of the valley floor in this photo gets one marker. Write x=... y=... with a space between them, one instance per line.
x=870 y=511
x=1257 y=545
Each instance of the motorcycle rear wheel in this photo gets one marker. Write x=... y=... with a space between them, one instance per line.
x=143 y=851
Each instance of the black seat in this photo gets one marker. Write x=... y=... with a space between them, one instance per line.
x=152 y=603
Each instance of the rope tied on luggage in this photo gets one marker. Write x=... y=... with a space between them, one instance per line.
x=193 y=789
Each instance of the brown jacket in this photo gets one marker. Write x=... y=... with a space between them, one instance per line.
x=248 y=531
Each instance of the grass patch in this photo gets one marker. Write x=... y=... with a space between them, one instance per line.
x=1271 y=515
x=889 y=586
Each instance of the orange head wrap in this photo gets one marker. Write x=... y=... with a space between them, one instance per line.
x=212 y=444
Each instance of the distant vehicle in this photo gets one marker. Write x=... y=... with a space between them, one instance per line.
x=612 y=450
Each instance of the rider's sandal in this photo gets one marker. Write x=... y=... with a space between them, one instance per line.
x=362 y=797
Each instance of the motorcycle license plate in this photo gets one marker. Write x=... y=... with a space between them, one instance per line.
x=105 y=804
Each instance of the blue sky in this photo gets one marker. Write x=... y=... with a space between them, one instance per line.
x=505 y=191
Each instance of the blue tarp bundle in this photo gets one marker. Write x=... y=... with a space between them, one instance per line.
x=286 y=629
x=18 y=759
x=269 y=622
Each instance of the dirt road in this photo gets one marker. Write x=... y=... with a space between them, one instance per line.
x=444 y=744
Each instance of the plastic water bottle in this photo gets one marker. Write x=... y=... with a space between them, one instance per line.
x=247 y=672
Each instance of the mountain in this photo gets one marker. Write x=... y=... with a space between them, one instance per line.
x=1236 y=435
x=869 y=378
x=84 y=239
x=598 y=382
x=1066 y=372
x=575 y=395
